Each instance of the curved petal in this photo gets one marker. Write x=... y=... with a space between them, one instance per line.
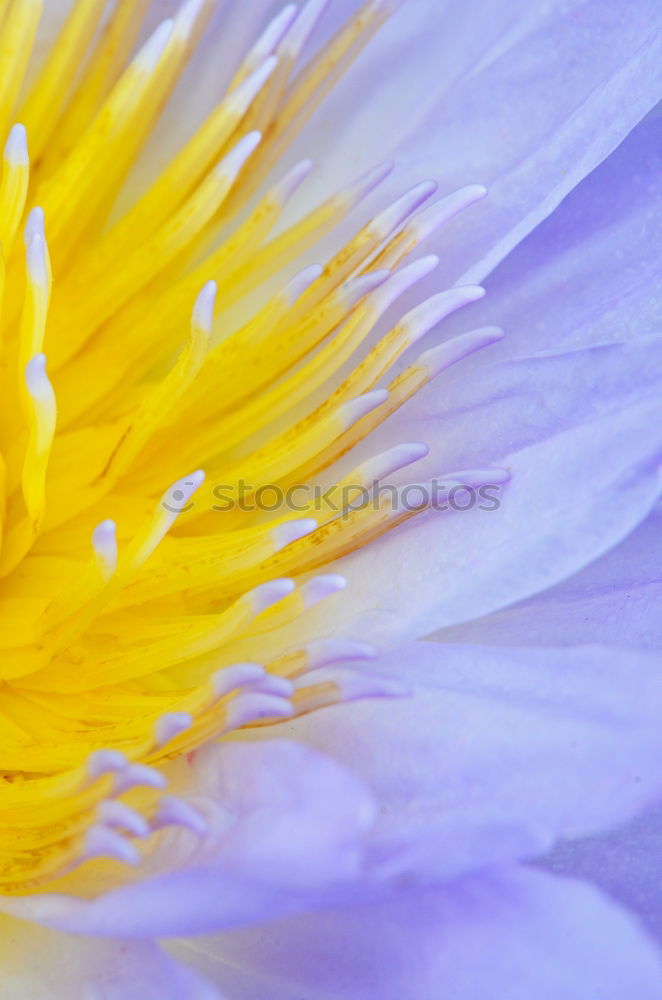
x=590 y=273
x=499 y=752
x=625 y=863
x=512 y=934
x=42 y=964
x=616 y=599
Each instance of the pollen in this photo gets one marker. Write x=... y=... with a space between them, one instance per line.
x=145 y=357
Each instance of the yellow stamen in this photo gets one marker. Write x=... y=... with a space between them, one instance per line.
x=17 y=37
x=135 y=624
x=14 y=186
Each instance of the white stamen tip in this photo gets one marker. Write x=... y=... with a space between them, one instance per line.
x=37 y=260
x=410 y=451
x=403 y=279
x=187 y=17
x=171 y=725
x=250 y=141
x=356 y=288
x=16 y=147
x=203 y=310
x=368 y=182
x=173 y=811
x=35 y=224
x=36 y=379
x=320 y=652
x=475 y=192
x=433 y=217
x=100 y=842
x=475 y=478
x=389 y=219
x=493 y=477
x=322 y=586
x=246 y=92
x=135 y=775
x=148 y=58
x=177 y=499
x=102 y=762
x=231 y=164
x=104 y=530
x=281 y=687
x=298 y=35
x=286 y=187
x=353 y=685
x=234 y=677
x=301 y=282
x=426 y=316
x=104 y=543
x=490 y=334
x=113 y=813
x=272 y=35
x=266 y=594
x=444 y=355
x=357 y=408
x=291 y=531
x=391 y=461
x=251 y=706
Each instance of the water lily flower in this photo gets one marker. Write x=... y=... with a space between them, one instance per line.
x=253 y=748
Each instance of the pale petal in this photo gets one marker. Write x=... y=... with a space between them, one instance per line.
x=42 y=964
x=625 y=863
x=511 y=934
x=590 y=273
x=499 y=752
x=617 y=599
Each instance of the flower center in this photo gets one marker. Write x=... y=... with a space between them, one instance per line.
x=166 y=629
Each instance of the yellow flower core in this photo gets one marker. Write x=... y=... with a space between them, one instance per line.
x=120 y=647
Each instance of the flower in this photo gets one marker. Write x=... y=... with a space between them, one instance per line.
x=125 y=659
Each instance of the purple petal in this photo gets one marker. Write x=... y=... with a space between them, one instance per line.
x=590 y=273
x=499 y=752
x=625 y=863
x=616 y=599
x=509 y=934
x=592 y=270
